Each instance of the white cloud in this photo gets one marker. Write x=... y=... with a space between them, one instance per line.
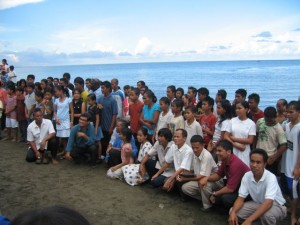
x=6 y=4
x=13 y=58
x=144 y=47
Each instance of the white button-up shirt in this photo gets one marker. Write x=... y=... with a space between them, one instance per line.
x=204 y=165
x=181 y=157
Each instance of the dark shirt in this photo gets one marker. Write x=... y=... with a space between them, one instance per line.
x=77 y=110
x=21 y=108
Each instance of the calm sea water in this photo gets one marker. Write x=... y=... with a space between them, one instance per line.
x=270 y=79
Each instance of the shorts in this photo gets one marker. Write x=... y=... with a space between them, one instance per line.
x=11 y=123
x=63 y=133
x=289 y=186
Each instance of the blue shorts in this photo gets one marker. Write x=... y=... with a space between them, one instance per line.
x=289 y=186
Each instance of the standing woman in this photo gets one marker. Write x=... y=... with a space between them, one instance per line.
x=63 y=110
x=44 y=85
x=150 y=113
x=241 y=132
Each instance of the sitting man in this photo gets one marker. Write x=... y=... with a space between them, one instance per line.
x=181 y=155
x=267 y=205
x=82 y=141
x=233 y=168
x=41 y=137
x=203 y=165
x=159 y=150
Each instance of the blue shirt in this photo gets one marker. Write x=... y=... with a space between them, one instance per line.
x=149 y=114
x=118 y=144
x=80 y=142
x=109 y=109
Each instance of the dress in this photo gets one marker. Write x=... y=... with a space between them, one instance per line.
x=62 y=113
x=242 y=129
x=77 y=110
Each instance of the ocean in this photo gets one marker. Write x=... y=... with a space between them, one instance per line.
x=271 y=79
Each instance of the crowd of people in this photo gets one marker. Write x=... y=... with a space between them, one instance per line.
x=225 y=153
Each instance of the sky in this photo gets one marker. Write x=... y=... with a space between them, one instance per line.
x=72 y=32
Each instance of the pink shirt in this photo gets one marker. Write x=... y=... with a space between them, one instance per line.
x=11 y=102
x=126 y=148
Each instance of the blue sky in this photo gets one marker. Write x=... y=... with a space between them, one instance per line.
x=53 y=32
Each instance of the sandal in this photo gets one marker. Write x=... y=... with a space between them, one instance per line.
x=38 y=160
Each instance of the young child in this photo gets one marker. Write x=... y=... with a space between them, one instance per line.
x=11 y=114
x=135 y=111
x=21 y=117
x=95 y=113
x=131 y=171
x=12 y=74
x=191 y=125
x=39 y=96
x=62 y=106
x=165 y=116
x=29 y=101
x=47 y=104
x=290 y=163
x=207 y=119
x=178 y=121
x=78 y=105
x=126 y=155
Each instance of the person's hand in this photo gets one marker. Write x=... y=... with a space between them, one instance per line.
x=155 y=176
x=203 y=182
x=57 y=121
x=110 y=130
x=169 y=184
x=99 y=106
x=271 y=160
x=80 y=134
x=142 y=170
x=68 y=156
x=296 y=173
x=180 y=178
x=113 y=169
x=42 y=144
x=233 y=220
x=212 y=199
x=109 y=148
x=246 y=222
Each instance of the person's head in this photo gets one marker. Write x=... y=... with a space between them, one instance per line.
x=203 y=93
x=164 y=104
x=30 y=87
x=106 y=87
x=121 y=124
x=171 y=91
x=189 y=113
x=44 y=84
x=88 y=83
x=258 y=161
x=22 y=83
x=140 y=84
x=253 y=100
x=221 y=95
x=270 y=116
x=224 y=150
x=38 y=115
x=63 y=82
x=185 y=99
x=61 y=91
x=10 y=89
x=192 y=91
x=91 y=99
x=127 y=90
x=56 y=81
x=240 y=95
x=114 y=84
x=208 y=104
x=144 y=89
x=37 y=86
x=20 y=91
x=52 y=215
x=79 y=83
x=293 y=111
x=224 y=109
x=11 y=68
x=179 y=93
x=142 y=135
x=95 y=84
x=68 y=77
x=39 y=96
x=4 y=61
x=134 y=94
x=164 y=136
x=149 y=97
x=125 y=134
x=48 y=94
x=177 y=106
x=30 y=78
x=241 y=109
x=281 y=106
x=180 y=136
x=197 y=143
x=77 y=93
x=50 y=80
x=84 y=119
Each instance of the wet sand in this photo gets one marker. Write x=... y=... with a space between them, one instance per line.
x=101 y=200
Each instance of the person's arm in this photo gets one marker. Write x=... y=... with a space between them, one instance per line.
x=142 y=168
x=31 y=110
x=45 y=139
x=97 y=123
x=238 y=204
x=212 y=178
x=34 y=148
x=112 y=124
x=247 y=141
x=71 y=113
x=161 y=170
x=83 y=108
x=128 y=154
x=155 y=118
x=168 y=185
x=281 y=149
x=239 y=146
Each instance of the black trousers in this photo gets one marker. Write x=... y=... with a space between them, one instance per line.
x=105 y=141
x=78 y=153
x=52 y=146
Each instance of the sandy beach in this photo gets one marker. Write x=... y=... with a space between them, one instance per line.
x=101 y=200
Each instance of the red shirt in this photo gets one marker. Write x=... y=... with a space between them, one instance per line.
x=257 y=116
x=135 y=111
x=234 y=171
x=208 y=122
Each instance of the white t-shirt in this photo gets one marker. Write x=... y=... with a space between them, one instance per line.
x=182 y=158
x=218 y=129
x=176 y=123
x=163 y=121
x=193 y=129
x=242 y=129
x=204 y=165
x=290 y=156
x=266 y=188
x=37 y=134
